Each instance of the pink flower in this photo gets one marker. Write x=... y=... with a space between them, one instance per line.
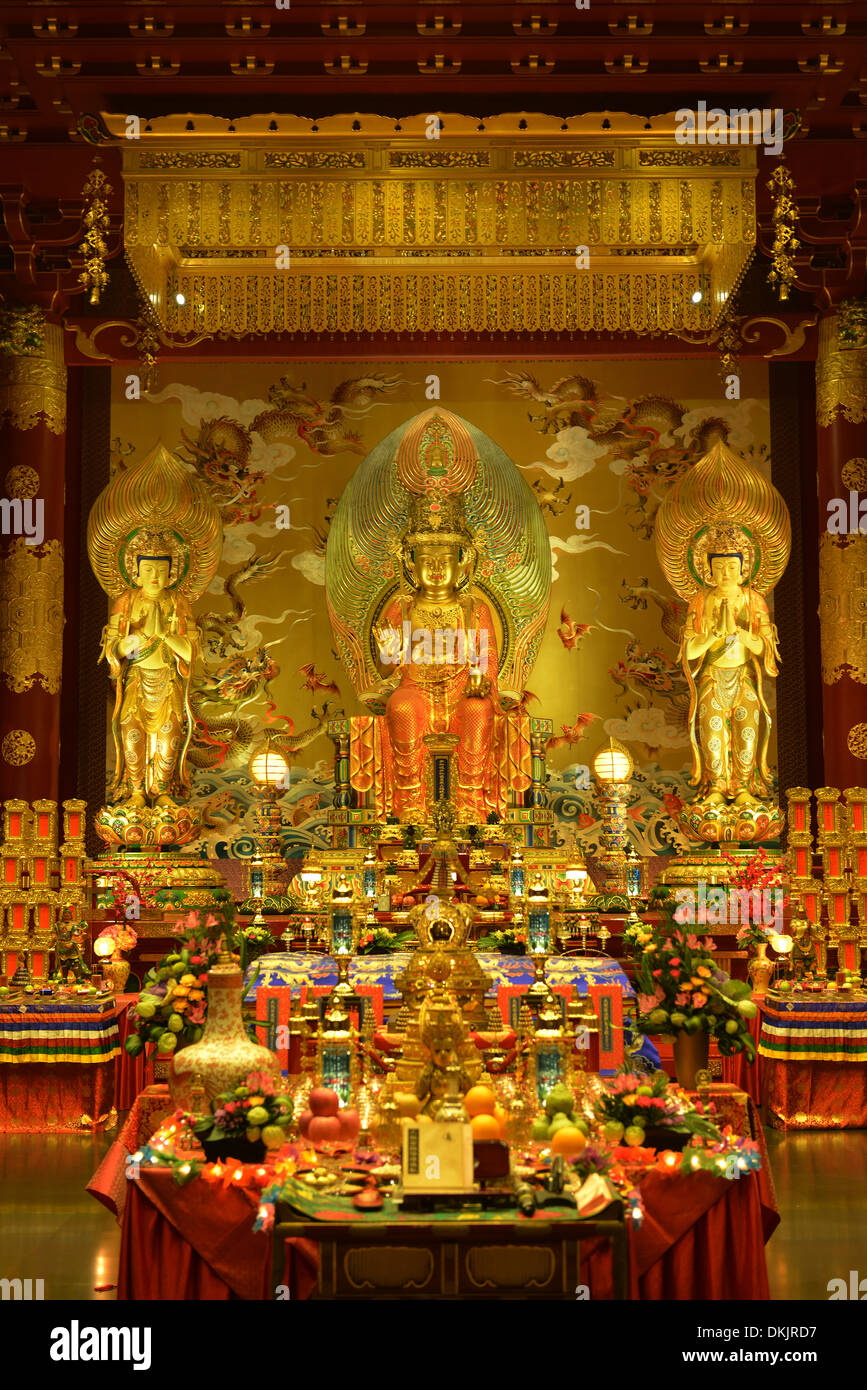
x=680 y=1000
x=191 y=921
x=210 y=920
x=709 y=944
x=699 y=1000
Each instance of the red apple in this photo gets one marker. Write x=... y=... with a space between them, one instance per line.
x=304 y=1120
x=324 y=1129
x=323 y=1101
x=350 y=1124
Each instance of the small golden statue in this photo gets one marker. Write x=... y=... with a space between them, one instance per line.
x=723 y=538
x=154 y=540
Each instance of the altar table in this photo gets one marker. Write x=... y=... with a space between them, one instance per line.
x=57 y=1063
x=702 y=1237
x=815 y=1061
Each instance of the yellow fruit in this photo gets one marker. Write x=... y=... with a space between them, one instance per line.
x=484 y=1126
x=568 y=1141
x=273 y=1136
x=480 y=1100
x=502 y=1118
x=253 y=1135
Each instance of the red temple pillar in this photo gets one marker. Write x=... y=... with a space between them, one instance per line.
x=841 y=420
x=32 y=469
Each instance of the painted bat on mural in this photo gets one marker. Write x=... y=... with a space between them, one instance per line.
x=569 y=632
x=572 y=733
x=315 y=680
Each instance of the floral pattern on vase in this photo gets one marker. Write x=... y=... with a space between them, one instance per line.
x=225 y=1055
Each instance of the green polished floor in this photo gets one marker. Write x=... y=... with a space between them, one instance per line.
x=51 y=1229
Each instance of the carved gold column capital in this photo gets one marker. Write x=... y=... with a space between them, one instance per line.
x=32 y=370
x=841 y=366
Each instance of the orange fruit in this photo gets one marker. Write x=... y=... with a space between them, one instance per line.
x=480 y=1100
x=568 y=1141
x=485 y=1127
x=502 y=1118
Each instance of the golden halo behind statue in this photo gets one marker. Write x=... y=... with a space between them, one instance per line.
x=719 y=497
x=438 y=474
x=155 y=500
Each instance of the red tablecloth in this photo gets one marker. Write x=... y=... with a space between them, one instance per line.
x=815 y=1095
x=109 y=1183
x=702 y=1237
x=192 y=1242
x=54 y=1097
x=132 y=1074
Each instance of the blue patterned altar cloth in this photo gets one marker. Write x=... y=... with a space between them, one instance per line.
x=297 y=968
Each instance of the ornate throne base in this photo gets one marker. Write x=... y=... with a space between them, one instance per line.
x=729 y=824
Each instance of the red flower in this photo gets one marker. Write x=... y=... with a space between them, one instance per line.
x=231 y=1106
x=675 y=960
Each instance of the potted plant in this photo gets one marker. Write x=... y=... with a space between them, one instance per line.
x=243 y=1123
x=684 y=995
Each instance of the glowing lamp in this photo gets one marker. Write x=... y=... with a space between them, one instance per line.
x=103 y=947
x=268 y=767
x=782 y=944
x=613 y=764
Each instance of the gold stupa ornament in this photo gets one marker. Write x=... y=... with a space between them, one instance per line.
x=723 y=538
x=154 y=541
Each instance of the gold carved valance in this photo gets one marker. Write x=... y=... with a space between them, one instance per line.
x=363 y=224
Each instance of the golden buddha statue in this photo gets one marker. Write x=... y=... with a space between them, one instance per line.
x=150 y=643
x=154 y=541
x=723 y=537
x=437 y=651
x=728 y=642
x=438 y=575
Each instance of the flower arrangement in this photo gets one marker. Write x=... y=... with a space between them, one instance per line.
x=121 y=934
x=509 y=942
x=253 y=941
x=681 y=988
x=252 y=1111
x=172 y=1006
x=381 y=941
x=755 y=877
x=631 y=1102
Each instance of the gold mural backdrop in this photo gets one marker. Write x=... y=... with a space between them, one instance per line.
x=599 y=442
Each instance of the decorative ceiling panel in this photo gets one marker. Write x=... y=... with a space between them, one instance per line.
x=353 y=224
